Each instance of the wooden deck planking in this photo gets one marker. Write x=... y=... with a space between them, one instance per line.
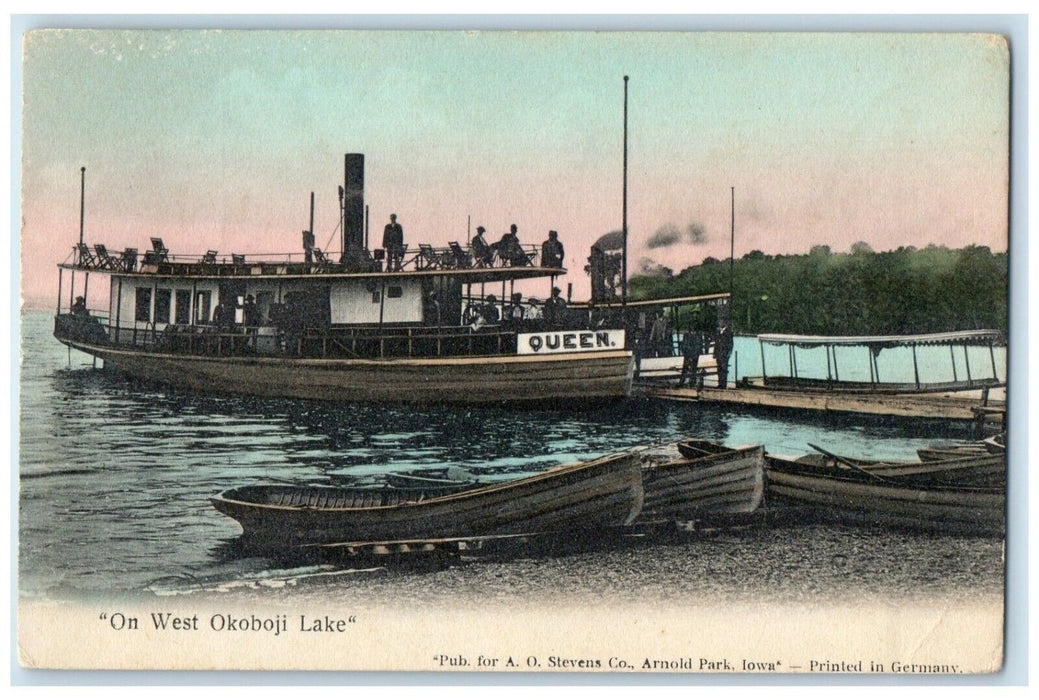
x=905 y=405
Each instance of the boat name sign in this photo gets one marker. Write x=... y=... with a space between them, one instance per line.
x=551 y=342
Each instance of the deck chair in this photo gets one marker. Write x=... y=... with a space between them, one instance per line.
x=321 y=261
x=369 y=261
x=86 y=258
x=462 y=259
x=427 y=258
x=207 y=263
x=161 y=252
x=515 y=256
x=128 y=262
x=104 y=260
x=378 y=256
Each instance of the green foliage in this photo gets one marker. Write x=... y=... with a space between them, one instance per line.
x=905 y=291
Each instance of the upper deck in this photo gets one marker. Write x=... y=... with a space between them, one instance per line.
x=466 y=263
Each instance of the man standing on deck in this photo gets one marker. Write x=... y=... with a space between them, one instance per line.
x=692 y=347
x=722 y=349
x=393 y=242
x=552 y=251
x=555 y=308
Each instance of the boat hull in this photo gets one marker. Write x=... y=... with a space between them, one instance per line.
x=885 y=502
x=588 y=376
x=963 y=469
x=588 y=495
x=725 y=482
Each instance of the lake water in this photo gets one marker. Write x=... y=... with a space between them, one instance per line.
x=116 y=477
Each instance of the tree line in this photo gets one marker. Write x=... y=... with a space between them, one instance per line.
x=905 y=291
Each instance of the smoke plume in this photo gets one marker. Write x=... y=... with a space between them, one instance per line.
x=669 y=234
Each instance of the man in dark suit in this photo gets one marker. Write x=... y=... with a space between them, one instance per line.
x=552 y=251
x=393 y=242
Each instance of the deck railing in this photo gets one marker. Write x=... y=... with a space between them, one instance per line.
x=421 y=258
x=345 y=342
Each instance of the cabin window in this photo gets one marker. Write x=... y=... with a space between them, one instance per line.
x=163 y=299
x=376 y=296
x=202 y=302
x=394 y=292
x=182 y=307
x=143 y=306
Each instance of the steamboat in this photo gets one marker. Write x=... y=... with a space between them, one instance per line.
x=394 y=324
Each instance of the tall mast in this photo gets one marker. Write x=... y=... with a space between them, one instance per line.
x=732 y=239
x=624 y=224
x=82 y=197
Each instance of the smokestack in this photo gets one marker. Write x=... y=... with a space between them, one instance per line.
x=353 y=202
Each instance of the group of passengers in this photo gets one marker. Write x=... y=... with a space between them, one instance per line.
x=508 y=249
x=516 y=313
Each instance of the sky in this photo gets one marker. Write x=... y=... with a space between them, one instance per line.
x=215 y=140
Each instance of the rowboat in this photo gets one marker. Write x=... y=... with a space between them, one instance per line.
x=861 y=496
x=937 y=453
x=964 y=469
x=997 y=444
x=707 y=479
x=587 y=495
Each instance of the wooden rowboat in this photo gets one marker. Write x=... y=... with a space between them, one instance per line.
x=849 y=495
x=938 y=453
x=980 y=469
x=997 y=444
x=586 y=495
x=708 y=479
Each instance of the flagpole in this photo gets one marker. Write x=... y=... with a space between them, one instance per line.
x=732 y=240
x=624 y=225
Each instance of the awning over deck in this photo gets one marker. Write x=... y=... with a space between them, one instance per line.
x=657 y=303
x=976 y=337
x=874 y=344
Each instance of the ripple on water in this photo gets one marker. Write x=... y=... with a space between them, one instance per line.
x=116 y=478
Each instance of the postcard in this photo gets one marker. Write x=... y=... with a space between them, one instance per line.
x=514 y=352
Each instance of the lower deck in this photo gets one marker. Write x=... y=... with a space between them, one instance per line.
x=480 y=379
x=964 y=406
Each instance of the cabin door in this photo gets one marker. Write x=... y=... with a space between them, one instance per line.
x=232 y=296
x=203 y=303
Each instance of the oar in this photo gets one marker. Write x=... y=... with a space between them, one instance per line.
x=842 y=460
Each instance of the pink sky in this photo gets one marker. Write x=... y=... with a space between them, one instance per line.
x=216 y=140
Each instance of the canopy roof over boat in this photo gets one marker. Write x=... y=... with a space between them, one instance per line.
x=661 y=302
x=878 y=342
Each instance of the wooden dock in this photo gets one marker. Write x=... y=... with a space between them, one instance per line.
x=938 y=406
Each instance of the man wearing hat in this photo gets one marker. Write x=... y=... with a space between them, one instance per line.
x=555 y=307
x=482 y=253
x=490 y=312
x=552 y=251
x=514 y=312
x=393 y=242
x=249 y=312
x=509 y=248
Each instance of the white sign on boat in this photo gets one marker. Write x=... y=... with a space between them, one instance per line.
x=552 y=342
